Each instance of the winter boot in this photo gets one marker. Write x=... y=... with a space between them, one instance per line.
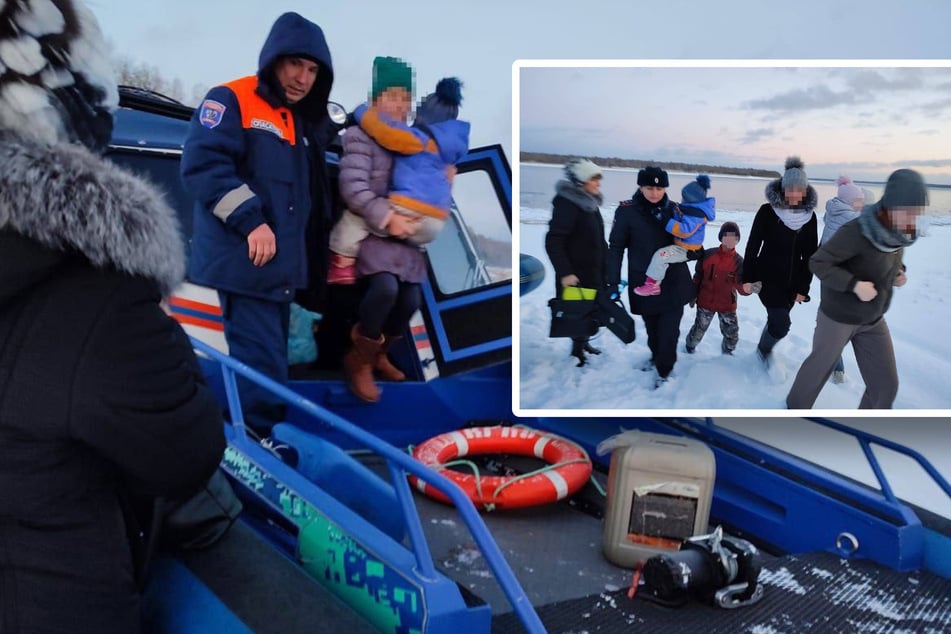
x=358 y=365
x=648 y=288
x=383 y=366
x=765 y=347
x=591 y=349
x=577 y=350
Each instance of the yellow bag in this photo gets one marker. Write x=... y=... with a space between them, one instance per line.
x=577 y=292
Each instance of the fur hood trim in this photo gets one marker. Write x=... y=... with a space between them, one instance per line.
x=774 y=196
x=68 y=199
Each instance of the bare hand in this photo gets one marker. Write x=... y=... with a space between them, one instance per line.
x=401 y=226
x=570 y=280
x=900 y=279
x=747 y=288
x=865 y=291
x=451 y=173
x=262 y=245
x=800 y=298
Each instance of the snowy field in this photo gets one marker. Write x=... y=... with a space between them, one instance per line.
x=710 y=383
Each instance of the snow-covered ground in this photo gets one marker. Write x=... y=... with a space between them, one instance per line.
x=710 y=383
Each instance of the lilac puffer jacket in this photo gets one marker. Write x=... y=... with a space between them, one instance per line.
x=364 y=182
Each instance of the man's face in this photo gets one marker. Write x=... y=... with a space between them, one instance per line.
x=395 y=103
x=653 y=194
x=905 y=220
x=296 y=75
x=729 y=240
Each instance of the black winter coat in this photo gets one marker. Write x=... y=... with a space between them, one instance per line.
x=778 y=256
x=639 y=228
x=101 y=398
x=575 y=239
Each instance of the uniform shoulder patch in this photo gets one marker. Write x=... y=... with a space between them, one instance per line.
x=626 y=203
x=211 y=113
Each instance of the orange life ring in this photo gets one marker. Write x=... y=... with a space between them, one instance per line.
x=571 y=466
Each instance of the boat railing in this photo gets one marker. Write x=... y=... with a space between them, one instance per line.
x=866 y=441
x=399 y=464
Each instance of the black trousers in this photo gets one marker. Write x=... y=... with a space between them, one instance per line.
x=663 y=333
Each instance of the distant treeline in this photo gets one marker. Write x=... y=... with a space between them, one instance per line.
x=561 y=159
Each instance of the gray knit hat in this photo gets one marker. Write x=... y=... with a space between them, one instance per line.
x=795 y=175
x=905 y=188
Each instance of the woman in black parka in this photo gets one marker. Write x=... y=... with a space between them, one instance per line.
x=783 y=238
x=575 y=239
x=639 y=228
x=101 y=399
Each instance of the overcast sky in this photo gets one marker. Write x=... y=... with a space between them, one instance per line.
x=864 y=122
x=212 y=41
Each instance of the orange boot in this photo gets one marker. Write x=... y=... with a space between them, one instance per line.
x=358 y=365
x=384 y=367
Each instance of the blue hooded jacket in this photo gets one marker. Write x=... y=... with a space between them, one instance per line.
x=248 y=160
x=422 y=153
x=689 y=222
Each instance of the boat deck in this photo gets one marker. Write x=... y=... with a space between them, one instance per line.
x=555 y=551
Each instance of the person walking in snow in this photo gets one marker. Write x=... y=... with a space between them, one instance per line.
x=783 y=238
x=717 y=277
x=575 y=240
x=845 y=207
x=859 y=267
x=640 y=230
x=687 y=228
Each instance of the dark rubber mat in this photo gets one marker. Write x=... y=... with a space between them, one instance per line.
x=818 y=592
x=267 y=591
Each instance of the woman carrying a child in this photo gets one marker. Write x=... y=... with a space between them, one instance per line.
x=398 y=200
x=640 y=228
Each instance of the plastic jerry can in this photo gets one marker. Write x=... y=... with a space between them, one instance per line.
x=660 y=489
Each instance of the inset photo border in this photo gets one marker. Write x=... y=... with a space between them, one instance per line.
x=761 y=131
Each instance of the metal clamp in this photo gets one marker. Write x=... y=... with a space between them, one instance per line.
x=726 y=597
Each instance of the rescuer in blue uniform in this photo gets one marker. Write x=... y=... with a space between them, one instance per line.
x=253 y=161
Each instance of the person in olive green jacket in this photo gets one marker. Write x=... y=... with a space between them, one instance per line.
x=859 y=269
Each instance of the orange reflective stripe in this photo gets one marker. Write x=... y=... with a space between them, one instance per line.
x=258 y=113
x=412 y=204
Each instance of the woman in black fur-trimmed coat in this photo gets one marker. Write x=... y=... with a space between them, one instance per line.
x=783 y=238
x=101 y=399
x=575 y=239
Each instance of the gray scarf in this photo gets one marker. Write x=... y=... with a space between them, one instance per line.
x=575 y=194
x=883 y=238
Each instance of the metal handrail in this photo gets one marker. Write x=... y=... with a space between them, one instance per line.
x=399 y=463
x=866 y=440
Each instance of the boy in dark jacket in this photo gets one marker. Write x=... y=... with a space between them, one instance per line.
x=717 y=278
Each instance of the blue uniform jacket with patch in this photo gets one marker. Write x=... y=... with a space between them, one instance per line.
x=248 y=160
